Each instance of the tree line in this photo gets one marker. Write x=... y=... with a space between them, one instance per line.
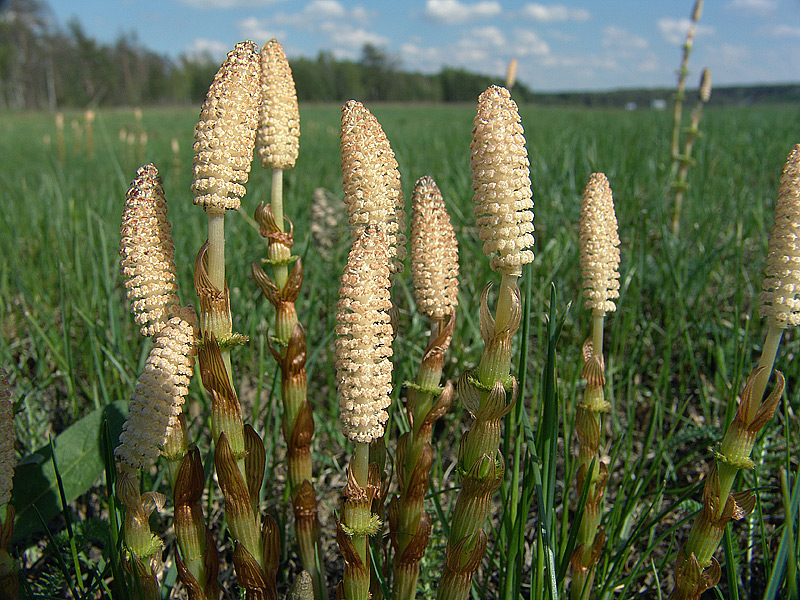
x=43 y=66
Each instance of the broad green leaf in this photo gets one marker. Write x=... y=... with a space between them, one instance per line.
x=79 y=455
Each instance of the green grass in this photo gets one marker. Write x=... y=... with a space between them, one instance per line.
x=683 y=339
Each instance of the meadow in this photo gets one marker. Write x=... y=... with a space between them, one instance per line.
x=679 y=347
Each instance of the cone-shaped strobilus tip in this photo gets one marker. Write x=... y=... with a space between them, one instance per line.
x=155 y=405
x=696 y=569
x=226 y=131
x=148 y=253
x=434 y=252
x=364 y=339
x=501 y=182
x=278 y=136
x=371 y=180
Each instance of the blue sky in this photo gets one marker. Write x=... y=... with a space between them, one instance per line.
x=566 y=45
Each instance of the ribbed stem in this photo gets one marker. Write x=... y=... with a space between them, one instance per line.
x=216 y=269
x=290 y=353
x=767 y=360
x=589 y=429
x=360 y=466
x=696 y=568
x=598 y=317
x=505 y=299
x=480 y=460
x=683 y=71
x=276 y=202
x=216 y=248
x=357 y=525
x=727 y=471
x=414 y=472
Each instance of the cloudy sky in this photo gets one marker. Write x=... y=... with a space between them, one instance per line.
x=562 y=45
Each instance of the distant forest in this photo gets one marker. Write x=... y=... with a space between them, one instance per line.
x=45 y=67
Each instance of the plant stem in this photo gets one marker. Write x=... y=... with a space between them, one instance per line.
x=767 y=360
x=598 y=317
x=216 y=269
x=276 y=203
x=360 y=466
x=728 y=472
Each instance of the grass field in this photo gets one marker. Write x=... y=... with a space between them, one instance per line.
x=683 y=339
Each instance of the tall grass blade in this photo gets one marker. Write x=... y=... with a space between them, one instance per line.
x=514 y=519
x=731 y=563
x=114 y=549
x=62 y=566
x=547 y=434
x=67 y=514
x=786 y=546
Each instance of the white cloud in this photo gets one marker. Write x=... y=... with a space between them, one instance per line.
x=202 y=49
x=528 y=43
x=649 y=63
x=758 y=6
x=480 y=50
x=428 y=59
x=223 y=4
x=258 y=30
x=621 y=39
x=550 y=13
x=452 y=11
x=732 y=56
x=322 y=10
x=785 y=31
x=581 y=63
x=326 y=9
x=347 y=41
x=674 y=30
x=487 y=36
